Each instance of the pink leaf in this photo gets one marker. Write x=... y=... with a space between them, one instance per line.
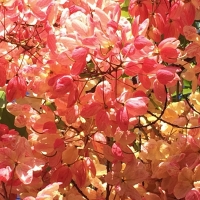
x=5 y=174
x=117 y=151
x=61 y=84
x=43 y=3
x=122 y=118
x=51 y=41
x=193 y=194
x=24 y=173
x=49 y=191
x=141 y=41
x=80 y=54
x=137 y=106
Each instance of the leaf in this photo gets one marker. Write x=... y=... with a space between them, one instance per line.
x=62 y=174
x=90 y=109
x=181 y=189
x=90 y=166
x=125 y=13
x=79 y=171
x=2 y=76
x=117 y=151
x=159 y=91
x=49 y=191
x=8 y=119
x=2 y=102
x=102 y=120
x=125 y=4
x=164 y=76
x=141 y=41
x=24 y=173
x=132 y=69
x=70 y=155
x=51 y=41
x=137 y=106
x=122 y=118
x=148 y=65
x=16 y=88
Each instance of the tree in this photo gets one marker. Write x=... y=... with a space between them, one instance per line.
x=99 y=99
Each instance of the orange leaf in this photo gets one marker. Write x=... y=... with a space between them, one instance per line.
x=70 y=155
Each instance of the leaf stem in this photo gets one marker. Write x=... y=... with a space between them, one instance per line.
x=79 y=190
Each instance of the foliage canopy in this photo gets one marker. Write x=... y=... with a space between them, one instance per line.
x=99 y=99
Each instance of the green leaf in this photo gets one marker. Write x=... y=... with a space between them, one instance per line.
x=2 y=102
x=187 y=91
x=183 y=41
x=2 y=99
x=187 y=84
x=124 y=9
x=61 y=124
x=51 y=105
x=125 y=4
x=125 y=13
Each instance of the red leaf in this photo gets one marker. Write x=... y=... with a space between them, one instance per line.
x=71 y=114
x=159 y=91
x=16 y=88
x=78 y=67
x=144 y=79
x=90 y=109
x=164 y=76
x=102 y=120
x=169 y=54
x=62 y=174
x=2 y=76
x=3 y=129
x=49 y=127
x=132 y=69
x=79 y=171
x=73 y=96
x=148 y=65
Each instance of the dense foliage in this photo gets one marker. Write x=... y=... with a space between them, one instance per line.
x=99 y=99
